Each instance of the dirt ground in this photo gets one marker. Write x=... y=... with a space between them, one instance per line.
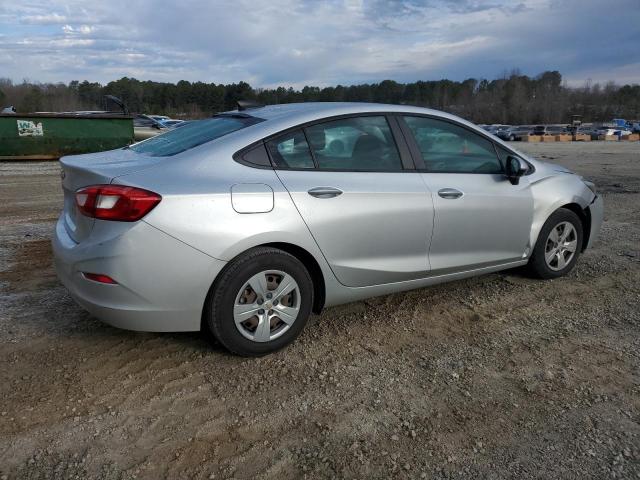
x=499 y=376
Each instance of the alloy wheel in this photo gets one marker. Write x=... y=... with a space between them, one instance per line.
x=561 y=246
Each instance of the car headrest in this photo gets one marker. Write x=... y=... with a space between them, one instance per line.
x=366 y=144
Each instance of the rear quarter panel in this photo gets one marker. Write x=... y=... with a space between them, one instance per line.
x=197 y=209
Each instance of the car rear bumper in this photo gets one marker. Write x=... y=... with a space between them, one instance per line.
x=596 y=209
x=161 y=285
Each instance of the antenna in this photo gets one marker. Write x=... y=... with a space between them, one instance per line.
x=247 y=104
x=113 y=99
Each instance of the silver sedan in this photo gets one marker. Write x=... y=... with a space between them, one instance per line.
x=245 y=223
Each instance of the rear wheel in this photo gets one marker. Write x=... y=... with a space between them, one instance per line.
x=558 y=246
x=260 y=303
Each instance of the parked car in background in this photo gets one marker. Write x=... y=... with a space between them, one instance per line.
x=502 y=128
x=494 y=129
x=145 y=127
x=607 y=131
x=514 y=133
x=159 y=118
x=557 y=130
x=244 y=223
x=550 y=130
x=586 y=130
x=171 y=123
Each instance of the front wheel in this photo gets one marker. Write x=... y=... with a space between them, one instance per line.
x=260 y=303
x=558 y=247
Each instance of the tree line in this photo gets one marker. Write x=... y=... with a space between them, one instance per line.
x=512 y=99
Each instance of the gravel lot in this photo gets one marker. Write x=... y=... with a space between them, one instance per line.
x=493 y=377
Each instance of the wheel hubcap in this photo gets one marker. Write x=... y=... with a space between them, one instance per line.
x=266 y=306
x=561 y=246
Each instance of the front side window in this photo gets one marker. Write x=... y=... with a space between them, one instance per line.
x=290 y=150
x=449 y=148
x=359 y=143
x=191 y=135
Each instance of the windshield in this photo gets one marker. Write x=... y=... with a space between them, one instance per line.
x=194 y=134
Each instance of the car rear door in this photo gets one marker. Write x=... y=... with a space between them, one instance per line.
x=481 y=219
x=356 y=188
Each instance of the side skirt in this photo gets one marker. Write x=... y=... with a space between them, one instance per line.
x=338 y=294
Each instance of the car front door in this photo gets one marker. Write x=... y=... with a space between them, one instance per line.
x=481 y=219
x=369 y=213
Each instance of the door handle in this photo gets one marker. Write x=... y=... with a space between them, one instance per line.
x=450 y=193
x=324 y=192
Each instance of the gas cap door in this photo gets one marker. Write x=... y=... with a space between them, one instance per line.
x=252 y=198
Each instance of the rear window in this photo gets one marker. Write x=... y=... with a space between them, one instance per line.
x=194 y=134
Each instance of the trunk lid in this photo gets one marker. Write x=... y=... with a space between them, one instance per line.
x=80 y=171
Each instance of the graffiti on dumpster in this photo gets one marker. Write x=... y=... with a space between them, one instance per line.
x=27 y=128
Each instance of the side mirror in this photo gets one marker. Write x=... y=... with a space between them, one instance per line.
x=515 y=169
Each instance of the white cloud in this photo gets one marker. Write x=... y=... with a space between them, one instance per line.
x=46 y=19
x=82 y=29
x=311 y=42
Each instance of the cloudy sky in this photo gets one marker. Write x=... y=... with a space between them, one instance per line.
x=286 y=42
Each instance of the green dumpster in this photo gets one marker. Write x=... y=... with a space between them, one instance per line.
x=41 y=136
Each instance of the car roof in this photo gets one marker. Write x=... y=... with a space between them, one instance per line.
x=317 y=110
x=283 y=116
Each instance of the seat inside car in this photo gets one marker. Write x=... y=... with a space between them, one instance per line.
x=366 y=153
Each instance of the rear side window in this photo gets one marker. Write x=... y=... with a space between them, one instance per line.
x=193 y=134
x=256 y=156
x=360 y=143
x=290 y=150
x=448 y=148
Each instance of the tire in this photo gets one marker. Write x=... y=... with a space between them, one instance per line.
x=550 y=245
x=511 y=138
x=232 y=297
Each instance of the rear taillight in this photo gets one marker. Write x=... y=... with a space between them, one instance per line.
x=99 y=277
x=116 y=202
